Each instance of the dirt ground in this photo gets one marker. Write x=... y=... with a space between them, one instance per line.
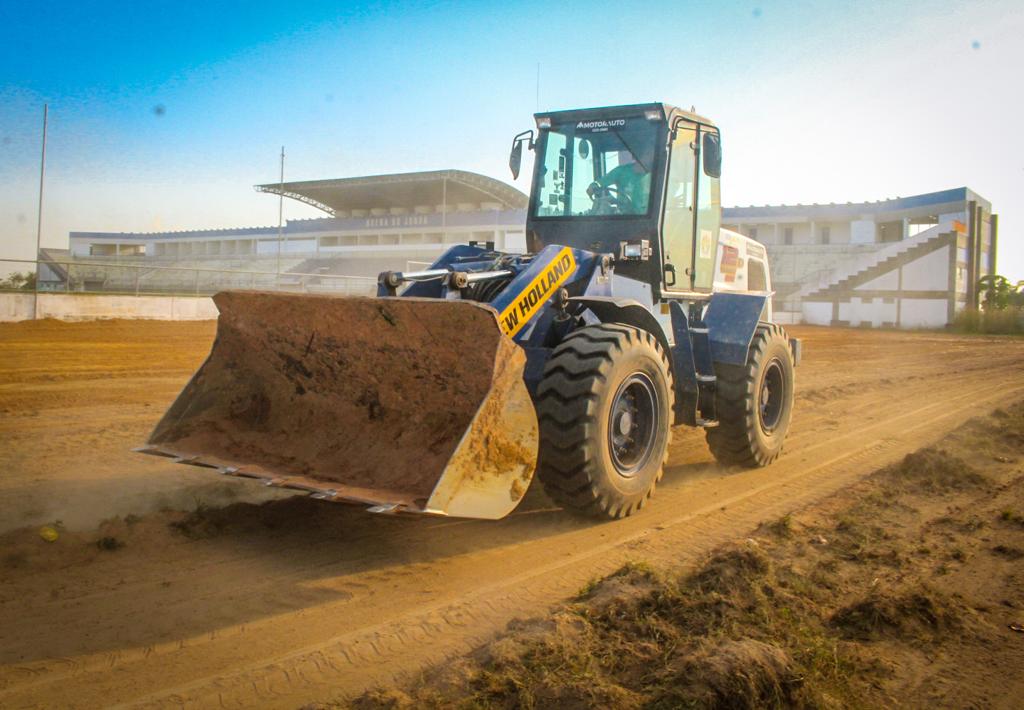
x=154 y=595
x=75 y=398
x=905 y=589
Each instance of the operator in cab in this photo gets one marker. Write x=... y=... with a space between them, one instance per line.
x=625 y=188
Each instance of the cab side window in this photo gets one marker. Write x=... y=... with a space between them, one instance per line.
x=551 y=201
x=677 y=243
x=709 y=211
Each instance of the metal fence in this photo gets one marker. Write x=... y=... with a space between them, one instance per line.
x=89 y=276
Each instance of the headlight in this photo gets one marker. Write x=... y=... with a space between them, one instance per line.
x=635 y=250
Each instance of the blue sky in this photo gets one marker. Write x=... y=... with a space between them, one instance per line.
x=163 y=115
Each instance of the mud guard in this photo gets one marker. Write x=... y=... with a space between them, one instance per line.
x=731 y=319
x=609 y=309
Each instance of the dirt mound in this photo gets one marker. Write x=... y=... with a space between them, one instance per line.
x=934 y=471
x=390 y=698
x=922 y=611
x=638 y=639
x=619 y=589
x=1009 y=428
x=733 y=570
x=737 y=675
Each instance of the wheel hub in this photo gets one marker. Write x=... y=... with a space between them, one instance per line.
x=633 y=423
x=771 y=397
x=625 y=423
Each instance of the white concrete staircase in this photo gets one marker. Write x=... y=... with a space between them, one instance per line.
x=860 y=264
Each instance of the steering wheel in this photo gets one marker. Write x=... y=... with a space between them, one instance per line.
x=609 y=196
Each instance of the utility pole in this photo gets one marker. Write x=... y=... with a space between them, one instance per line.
x=39 y=216
x=280 y=221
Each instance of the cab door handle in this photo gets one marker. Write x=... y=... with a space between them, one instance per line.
x=670 y=270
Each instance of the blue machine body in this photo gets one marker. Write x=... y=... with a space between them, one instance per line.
x=540 y=298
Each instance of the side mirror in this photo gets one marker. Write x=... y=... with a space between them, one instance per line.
x=515 y=157
x=712 y=152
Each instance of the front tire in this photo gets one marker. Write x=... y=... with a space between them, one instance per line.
x=604 y=407
x=754 y=402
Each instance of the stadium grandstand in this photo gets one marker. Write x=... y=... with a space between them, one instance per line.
x=371 y=224
x=904 y=262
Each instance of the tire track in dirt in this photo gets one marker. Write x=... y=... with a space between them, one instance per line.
x=368 y=652
x=383 y=652
x=178 y=557
x=245 y=664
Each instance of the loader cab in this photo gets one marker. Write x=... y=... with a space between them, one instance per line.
x=608 y=177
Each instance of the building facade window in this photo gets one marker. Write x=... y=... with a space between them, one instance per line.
x=752 y=232
x=826 y=235
x=787 y=235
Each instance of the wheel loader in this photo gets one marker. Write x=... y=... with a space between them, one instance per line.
x=633 y=312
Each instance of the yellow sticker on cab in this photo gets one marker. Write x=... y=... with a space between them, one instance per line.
x=537 y=292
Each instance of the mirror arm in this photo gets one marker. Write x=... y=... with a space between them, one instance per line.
x=520 y=136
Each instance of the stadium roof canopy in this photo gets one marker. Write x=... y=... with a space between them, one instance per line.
x=340 y=196
x=928 y=202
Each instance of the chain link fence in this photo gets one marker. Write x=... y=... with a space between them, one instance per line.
x=93 y=276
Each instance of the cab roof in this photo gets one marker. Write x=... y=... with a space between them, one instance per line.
x=666 y=111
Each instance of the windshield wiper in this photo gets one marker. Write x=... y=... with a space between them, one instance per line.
x=635 y=156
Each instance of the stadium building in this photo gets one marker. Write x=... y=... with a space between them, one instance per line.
x=905 y=262
x=373 y=223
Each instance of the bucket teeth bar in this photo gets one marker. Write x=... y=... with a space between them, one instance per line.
x=315 y=491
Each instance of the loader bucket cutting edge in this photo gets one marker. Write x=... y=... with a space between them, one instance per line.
x=415 y=404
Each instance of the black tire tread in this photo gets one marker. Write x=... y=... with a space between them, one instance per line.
x=567 y=405
x=733 y=442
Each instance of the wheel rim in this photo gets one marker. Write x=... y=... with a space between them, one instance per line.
x=633 y=424
x=771 y=396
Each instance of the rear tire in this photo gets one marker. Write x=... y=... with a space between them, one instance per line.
x=604 y=407
x=754 y=402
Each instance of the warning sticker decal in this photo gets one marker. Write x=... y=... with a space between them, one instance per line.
x=705 y=243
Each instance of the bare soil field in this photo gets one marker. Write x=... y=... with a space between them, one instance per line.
x=75 y=398
x=905 y=589
x=169 y=586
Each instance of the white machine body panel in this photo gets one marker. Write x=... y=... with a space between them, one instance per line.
x=741 y=265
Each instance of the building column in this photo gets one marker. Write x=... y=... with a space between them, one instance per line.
x=972 y=260
x=993 y=231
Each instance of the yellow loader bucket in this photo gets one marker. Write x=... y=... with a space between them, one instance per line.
x=401 y=403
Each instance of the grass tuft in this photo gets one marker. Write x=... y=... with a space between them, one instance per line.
x=1005 y=322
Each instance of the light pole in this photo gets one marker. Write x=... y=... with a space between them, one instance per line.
x=280 y=222
x=39 y=216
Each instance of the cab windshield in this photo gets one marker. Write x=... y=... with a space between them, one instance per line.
x=600 y=167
